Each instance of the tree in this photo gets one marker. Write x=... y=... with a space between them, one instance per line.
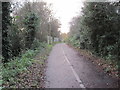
x=6 y=19
x=31 y=23
x=98 y=29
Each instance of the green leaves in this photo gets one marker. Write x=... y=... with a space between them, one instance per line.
x=17 y=17
x=12 y=69
x=30 y=22
x=98 y=28
x=16 y=66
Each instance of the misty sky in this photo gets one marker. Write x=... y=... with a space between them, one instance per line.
x=65 y=10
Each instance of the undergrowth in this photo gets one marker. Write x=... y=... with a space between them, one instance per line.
x=110 y=64
x=12 y=69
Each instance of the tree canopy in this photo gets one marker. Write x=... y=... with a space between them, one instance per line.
x=97 y=29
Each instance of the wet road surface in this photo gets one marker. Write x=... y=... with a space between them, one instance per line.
x=67 y=69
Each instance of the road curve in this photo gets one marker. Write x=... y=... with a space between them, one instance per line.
x=67 y=69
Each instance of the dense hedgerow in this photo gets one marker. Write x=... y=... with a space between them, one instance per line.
x=97 y=29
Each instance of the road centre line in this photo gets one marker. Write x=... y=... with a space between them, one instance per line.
x=74 y=72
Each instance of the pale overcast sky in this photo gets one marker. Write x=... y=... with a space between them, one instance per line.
x=65 y=10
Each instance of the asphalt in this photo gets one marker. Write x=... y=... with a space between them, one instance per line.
x=66 y=68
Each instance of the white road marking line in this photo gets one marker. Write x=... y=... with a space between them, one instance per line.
x=74 y=72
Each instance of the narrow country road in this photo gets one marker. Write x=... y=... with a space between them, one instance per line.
x=67 y=69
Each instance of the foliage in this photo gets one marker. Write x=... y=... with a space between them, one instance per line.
x=5 y=22
x=15 y=66
x=98 y=29
x=36 y=43
x=31 y=22
x=24 y=34
x=75 y=42
x=64 y=36
x=14 y=41
x=24 y=26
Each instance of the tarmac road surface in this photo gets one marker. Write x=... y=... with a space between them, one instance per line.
x=68 y=69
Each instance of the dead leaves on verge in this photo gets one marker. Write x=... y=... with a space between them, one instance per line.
x=108 y=67
x=34 y=77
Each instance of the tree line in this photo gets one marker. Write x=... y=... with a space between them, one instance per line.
x=97 y=29
x=24 y=26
